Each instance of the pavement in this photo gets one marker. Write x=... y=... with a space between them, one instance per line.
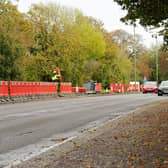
x=136 y=140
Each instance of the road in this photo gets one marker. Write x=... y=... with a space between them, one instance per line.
x=26 y=127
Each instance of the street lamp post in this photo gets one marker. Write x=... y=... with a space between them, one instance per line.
x=157 y=65
x=134 y=52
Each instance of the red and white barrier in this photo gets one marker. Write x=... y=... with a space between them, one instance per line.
x=4 y=88
x=133 y=87
x=111 y=88
x=65 y=87
x=17 y=88
x=118 y=88
x=79 y=90
x=98 y=87
x=32 y=88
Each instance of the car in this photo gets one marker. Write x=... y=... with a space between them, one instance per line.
x=163 y=88
x=149 y=86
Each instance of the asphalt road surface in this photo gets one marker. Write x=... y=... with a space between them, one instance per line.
x=27 y=127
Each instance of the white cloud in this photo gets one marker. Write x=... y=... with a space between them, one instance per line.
x=104 y=10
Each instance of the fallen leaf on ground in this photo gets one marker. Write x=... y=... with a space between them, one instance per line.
x=115 y=137
x=165 y=162
x=59 y=140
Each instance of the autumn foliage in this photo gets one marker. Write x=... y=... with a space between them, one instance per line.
x=34 y=44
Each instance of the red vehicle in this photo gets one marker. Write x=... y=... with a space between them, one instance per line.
x=150 y=86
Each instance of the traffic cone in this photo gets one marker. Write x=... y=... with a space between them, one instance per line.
x=111 y=90
x=122 y=89
x=106 y=90
x=77 y=88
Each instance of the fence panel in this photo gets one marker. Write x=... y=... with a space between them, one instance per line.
x=66 y=87
x=4 y=88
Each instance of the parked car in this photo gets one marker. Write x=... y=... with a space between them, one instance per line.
x=163 y=88
x=150 y=86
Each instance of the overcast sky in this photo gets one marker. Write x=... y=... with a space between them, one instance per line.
x=105 y=10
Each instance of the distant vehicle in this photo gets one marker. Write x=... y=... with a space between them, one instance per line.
x=90 y=86
x=163 y=88
x=149 y=87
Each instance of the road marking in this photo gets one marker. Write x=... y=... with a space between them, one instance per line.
x=9 y=159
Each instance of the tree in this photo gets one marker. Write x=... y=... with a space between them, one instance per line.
x=51 y=36
x=47 y=25
x=148 y=12
x=143 y=66
x=66 y=39
x=133 y=47
x=130 y=43
x=164 y=65
x=15 y=38
x=115 y=65
x=151 y=62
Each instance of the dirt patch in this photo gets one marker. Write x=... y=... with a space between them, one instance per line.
x=139 y=140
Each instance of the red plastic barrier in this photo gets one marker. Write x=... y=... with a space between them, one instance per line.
x=52 y=88
x=32 y=88
x=112 y=88
x=66 y=87
x=27 y=88
x=136 y=87
x=118 y=88
x=79 y=90
x=73 y=89
x=70 y=88
x=37 y=88
x=130 y=88
x=98 y=87
x=122 y=88
x=4 y=88
x=13 y=88
x=42 y=88
x=133 y=87
x=22 y=88
x=82 y=90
